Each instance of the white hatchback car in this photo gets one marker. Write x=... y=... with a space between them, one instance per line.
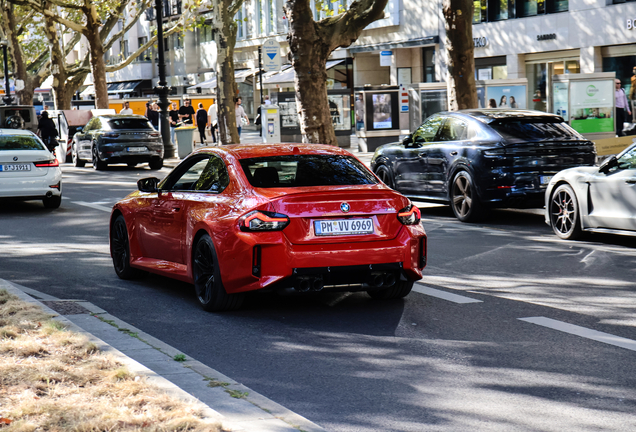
x=28 y=171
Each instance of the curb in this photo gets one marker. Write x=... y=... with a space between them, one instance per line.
x=220 y=398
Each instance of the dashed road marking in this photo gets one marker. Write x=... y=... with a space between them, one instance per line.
x=455 y=298
x=96 y=206
x=583 y=332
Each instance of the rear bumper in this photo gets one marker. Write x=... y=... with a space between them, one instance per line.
x=270 y=262
x=32 y=188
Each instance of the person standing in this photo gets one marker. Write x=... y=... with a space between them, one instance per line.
x=240 y=115
x=202 y=122
x=126 y=110
x=621 y=106
x=153 y=115
x=173 y=119
x=47 y=131
x=213 y=119
x=186 y=113
x=359 y=108
x=632 y=95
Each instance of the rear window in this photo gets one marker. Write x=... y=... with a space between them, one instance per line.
x=20 y=143
x=529 y=130
x=129 y=123
x=306 y=170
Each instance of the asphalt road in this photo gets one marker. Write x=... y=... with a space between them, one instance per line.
x=528 y=342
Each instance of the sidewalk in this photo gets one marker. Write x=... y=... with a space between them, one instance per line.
x=252 y=137
x=235 y=406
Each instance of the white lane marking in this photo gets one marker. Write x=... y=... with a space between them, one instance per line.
x=455 y=298
x=583 y=332
x=94 y=206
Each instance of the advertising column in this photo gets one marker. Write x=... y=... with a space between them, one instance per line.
x=592 y=106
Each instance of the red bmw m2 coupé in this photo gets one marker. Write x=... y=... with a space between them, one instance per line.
x=288 y=217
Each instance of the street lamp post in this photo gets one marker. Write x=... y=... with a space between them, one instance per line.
x=7 y=99
x=162 y=88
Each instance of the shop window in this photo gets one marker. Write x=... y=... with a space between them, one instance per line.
x=623 y=67
x=498 y=10
x=622 y=1
x=527 y=8
x=480 y=11
x=557 y=6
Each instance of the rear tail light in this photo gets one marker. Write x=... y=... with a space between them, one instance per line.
x=50 y=163
x=263 y=221
x=155 y=134
x=409 y=215
x=110 y=135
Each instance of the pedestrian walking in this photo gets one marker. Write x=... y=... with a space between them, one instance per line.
x=126 y=110
x=240 y=115
x=173 y=119
x=213 y=120
x=153 y=115
x=202 y=122
x=186 y=113
x=632 y=95
x=621 y=106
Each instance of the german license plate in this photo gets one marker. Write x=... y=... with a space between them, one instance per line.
x=545 y=179
x=136 y=149
x=335 y=227
x=15 y=167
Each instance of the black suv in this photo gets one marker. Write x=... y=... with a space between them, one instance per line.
x=113 y=139
x=478 y=159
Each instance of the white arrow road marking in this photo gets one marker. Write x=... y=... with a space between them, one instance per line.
x=455 y=298
x=583 y=332
x=96 y=206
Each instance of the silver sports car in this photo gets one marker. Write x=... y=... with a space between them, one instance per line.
x=598 y=199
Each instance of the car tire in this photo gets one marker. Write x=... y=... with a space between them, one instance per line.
x=207 y=279
x=155 y=163
x=464 y=200
x=384 y=173
x=98 y=164
x=120 y=250
x=400 y=290
x=565 y=218
x=52 y=202
x=77 y=162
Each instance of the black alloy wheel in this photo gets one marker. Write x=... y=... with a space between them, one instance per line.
x=384 y=173
x=400 y=290
x=77 y=162
x=464 y=200
x=97 y=163
x=155 y=163
x=120 y=250
x=564 y=213
x=207 y=279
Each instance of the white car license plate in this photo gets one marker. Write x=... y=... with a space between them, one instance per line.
x=343 y=227
x=15 y=167
x=136 y=149
x=545 y=179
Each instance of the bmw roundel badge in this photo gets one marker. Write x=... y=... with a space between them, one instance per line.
x=345 y=207
x=15 y=158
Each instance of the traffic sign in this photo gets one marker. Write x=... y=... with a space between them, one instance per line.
x=271 y=55
x=404 y=99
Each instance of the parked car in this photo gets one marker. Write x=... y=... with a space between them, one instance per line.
x=112 y=139
x=28 y=171
x=18 y=117
x=596 y=199
x=475 y=160
x=291 y=218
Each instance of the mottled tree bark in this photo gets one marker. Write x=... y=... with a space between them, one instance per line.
x=96 y=48
x=462 y=89
x=310 y=44
x=58 y=64
x=225 y=38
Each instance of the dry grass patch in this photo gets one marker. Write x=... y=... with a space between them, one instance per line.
x=55 y=380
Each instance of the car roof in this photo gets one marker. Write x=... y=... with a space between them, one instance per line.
x=16 y=132
x=490 y=115
x=248 y=151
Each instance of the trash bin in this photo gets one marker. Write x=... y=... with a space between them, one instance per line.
x=185 y=139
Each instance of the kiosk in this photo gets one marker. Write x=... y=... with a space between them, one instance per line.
x=378 y=108
x=270 y=123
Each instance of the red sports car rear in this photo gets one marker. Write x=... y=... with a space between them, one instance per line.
x=292 y=218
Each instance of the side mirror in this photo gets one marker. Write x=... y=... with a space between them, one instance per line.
x=148 y=184
x=608 y=164
x=407 y=141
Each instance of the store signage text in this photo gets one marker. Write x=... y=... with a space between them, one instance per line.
x=631 y=23
x=480 y=42
x=548 y=36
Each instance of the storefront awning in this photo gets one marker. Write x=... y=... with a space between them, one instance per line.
x=410 y=43
x=239 y=77
x=285 y=77
x=122 y=87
